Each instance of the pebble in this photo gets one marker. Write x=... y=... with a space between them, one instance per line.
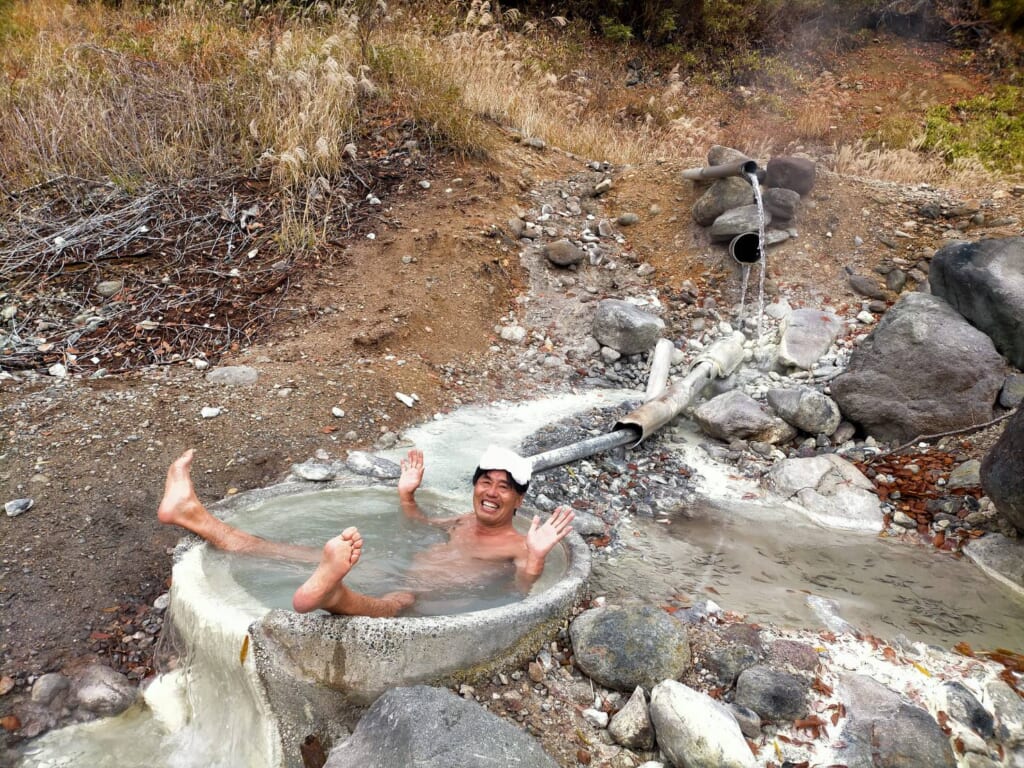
x=596 y=717
x=210 y=412
x=17 y=507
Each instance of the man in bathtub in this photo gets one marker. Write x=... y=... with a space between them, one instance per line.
x=481 y=545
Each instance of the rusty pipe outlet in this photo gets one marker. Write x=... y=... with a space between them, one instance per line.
x=739 y=168
x=717 y=361
x=746 y=249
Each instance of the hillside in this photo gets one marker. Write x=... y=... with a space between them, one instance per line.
x=415 y=310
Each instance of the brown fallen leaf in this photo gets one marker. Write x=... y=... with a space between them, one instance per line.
x=10 y=723
x=6 y=684
x=964 y=649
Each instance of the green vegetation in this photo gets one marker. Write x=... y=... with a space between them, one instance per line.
x=1008 y=13
x=8 y=27
x=417 y=88
x=988 y=128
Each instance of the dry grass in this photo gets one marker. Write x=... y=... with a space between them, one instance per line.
x=906 y=166
x=139 y=96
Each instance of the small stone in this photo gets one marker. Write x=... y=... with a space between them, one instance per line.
x=407 y=400
x=904 y=520
x=108 y=288
x=315 y=471
x=48 y=687
x=18 y=506
x=596 y=717
x=210 y=412
x=514 y=333
x=337 y=413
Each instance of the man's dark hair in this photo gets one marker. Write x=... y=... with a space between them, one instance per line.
x=520 y=487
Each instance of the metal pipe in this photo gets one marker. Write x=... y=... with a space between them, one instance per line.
x=661 y=361
x=738 y=168
x=717 y=361
x=745 y=248
x=652 y=416
x=556 y=457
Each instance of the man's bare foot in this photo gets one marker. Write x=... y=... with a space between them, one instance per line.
x=324 y=589
x=180 y=505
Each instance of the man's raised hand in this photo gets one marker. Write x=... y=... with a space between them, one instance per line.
x=412 y=475
x=542 y=537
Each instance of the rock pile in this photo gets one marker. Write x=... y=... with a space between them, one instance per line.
x=729 y=207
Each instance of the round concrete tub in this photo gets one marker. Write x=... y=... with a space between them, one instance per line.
x=313 y=674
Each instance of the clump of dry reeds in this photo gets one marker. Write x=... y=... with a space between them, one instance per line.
x=136 y=96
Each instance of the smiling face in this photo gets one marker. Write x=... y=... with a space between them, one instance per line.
x=495 y=499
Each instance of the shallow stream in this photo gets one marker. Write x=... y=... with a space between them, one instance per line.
x=765 y=562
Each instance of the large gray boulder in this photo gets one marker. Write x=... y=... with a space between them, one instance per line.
x=723 y=195
x=736 y=221
x=722 y=155
x=924 y=370
x=830 y=490
x=625 y=327
x=696 y=731
x=984 y=282
x=806 y=409
x=806 y=335
x=1002 y=471
x=780 y=203
x=433 y=728
x=884 y=731
x=775 y=695
x=563 y=253
x=796 y=173
x=104 y=691
x=622 y=647
x=735 y=415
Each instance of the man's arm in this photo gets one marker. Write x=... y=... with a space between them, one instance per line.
x=540 y=540
x=408 y=482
